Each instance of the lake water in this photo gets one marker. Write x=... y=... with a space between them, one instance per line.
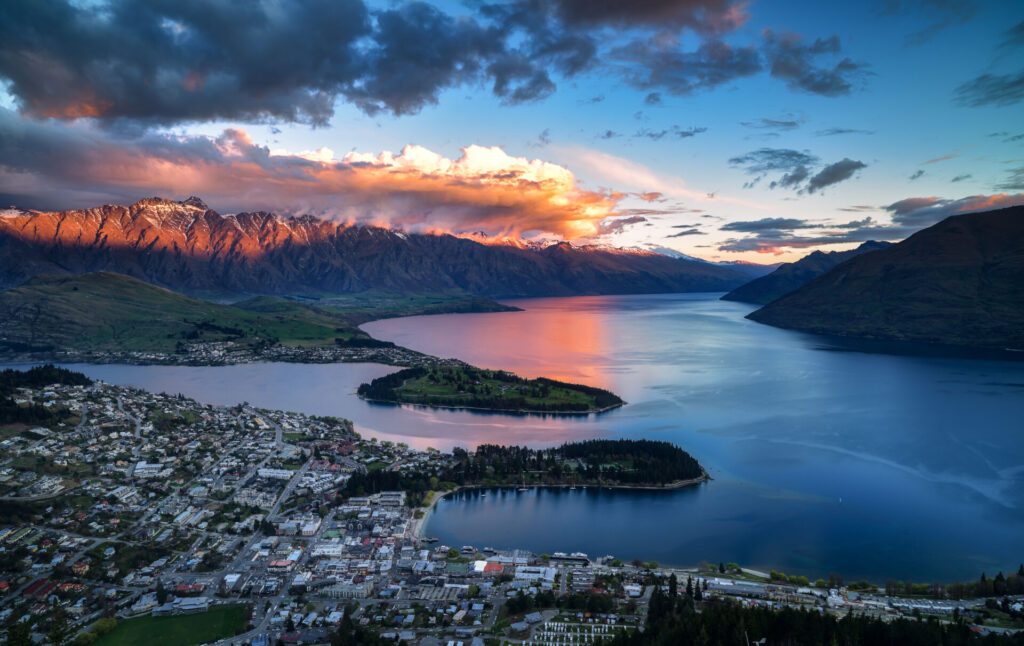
x=870 y=465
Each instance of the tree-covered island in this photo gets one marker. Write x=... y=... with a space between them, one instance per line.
x=463 y=386
x=604 y=463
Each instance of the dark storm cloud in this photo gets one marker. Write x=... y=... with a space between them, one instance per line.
x=799 y=169
x=834 y=173
x=799 y=65
x=992 y=90
x=654 y=65
x=703 y=16
x=165 y=62
x=183 y=60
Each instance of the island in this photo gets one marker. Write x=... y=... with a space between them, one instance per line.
x=619 y=464
x=464 y=386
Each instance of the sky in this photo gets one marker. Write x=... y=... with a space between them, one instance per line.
x=727 y=130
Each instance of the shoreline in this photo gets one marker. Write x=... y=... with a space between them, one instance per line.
x=504 y=411
x=421 y=523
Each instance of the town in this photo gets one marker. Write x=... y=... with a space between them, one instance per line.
x=137 y=516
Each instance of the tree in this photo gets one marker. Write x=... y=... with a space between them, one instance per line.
x=721 y=568
x=673 y=586
x=161 y=593
x=19 y=635
x=58 y=627
x=689 y=588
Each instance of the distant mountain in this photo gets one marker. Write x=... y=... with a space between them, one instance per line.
x=794 y=275
x=749 y=269
x=959 y=282
x=188 y=247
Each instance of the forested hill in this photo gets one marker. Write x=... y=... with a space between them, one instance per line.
x=13 y=413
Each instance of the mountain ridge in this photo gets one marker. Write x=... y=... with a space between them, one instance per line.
x=794 y=275
x=185 y=246
x=959 y=283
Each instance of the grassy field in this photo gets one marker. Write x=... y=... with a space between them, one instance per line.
x=181 y=630
x=469 y=387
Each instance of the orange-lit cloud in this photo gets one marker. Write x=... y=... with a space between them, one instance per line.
x=483 y=189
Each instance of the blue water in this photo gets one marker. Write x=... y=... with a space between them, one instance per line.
x=824 y=460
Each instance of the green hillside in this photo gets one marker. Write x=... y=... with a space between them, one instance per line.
x=105 y=311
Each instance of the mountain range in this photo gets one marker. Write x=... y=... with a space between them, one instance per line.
x=794 y=275
x=959 y=282
x=190 y=248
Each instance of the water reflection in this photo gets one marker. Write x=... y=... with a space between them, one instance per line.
x=822 y=459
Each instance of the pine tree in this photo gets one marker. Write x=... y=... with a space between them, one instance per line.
x=673 y=586
x=19 y=635
x=58 y=627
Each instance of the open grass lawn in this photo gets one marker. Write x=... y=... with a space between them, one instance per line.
x=180 y=630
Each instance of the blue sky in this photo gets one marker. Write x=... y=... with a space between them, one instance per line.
x=902 y=120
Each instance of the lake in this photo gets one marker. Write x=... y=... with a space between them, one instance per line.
x=824 y=459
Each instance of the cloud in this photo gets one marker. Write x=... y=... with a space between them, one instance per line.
x=653 y=98
x=907 y=217
x=1006 y=137
x=942 y=158
x=58 y=165
x=1014 y=182
x=796 y=169
x=702 y=16
x=651 y=196
x=609 y=134
x=686 y=232
x=917 y=174
x=766 y=224
x=610 y=226
x=961 y=178
x=797 y=64
x=992 y=90
x=834 y=173
x=193 y=60
x=660 y=64
x=939 y=14
x=772 y=124
x=1014 y=36
x=674 y=131
x=915 y=213
x=543 y=139
x=831 y=132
